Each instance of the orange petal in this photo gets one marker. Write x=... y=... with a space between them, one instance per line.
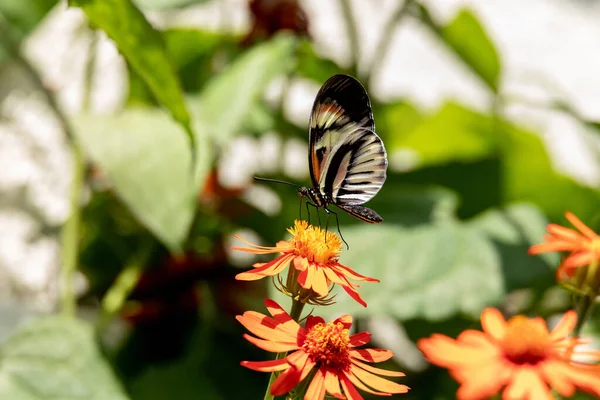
x=583 y=228
x=264 y=327
x=266 y=366
x=527 y=384
x=285 y=382
x=256 y=249
x=550 y=247
x=349 y=389
x=493 y=323
x=377 y=371
x=319 y=284
x=376 y=382
x=316 y=389
x=286 y=323
x=269 y=345
x=360 y=339
x=354 y=294
x=345 y=320
x=332 y=385
x=579 y=259
x=447 y=352
x=556 y=376
x=268 y=269
x=349 y=272
x=564 y=233
x=371 y=355
x=565 y=326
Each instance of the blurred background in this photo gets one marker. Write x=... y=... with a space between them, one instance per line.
x=115 y=247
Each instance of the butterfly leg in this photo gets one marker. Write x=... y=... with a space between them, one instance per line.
x=337 y=221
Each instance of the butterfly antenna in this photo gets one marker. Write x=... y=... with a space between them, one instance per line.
x=256 y=178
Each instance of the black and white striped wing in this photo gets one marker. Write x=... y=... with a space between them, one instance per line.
x=356 y=169
x=347 y=159
x=342 y=109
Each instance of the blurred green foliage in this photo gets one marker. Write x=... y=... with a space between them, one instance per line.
x=477 y=190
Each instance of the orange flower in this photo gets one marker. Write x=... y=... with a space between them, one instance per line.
x=584 y=245
x=520 y=356
x=314 y=256
x=325 y=349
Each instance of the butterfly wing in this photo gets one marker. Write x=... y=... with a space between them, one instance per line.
x=341 y=107
x=348 y=162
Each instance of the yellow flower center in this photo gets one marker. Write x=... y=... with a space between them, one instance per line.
x=327 y=344
x=525 y=341
x=312 y=243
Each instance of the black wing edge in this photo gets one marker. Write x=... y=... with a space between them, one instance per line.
x=350 y=94
x=363 y=213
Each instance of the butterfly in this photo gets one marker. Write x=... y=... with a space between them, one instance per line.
x=347 y=159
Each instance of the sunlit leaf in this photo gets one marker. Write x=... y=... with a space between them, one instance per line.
x=147 y=159
x=468 y=39
x=525 y=171
x=166 y=4
x=54 y=359
x=441 y=267
x=229 y=98
x=144 y=49
x=312 y=66
x=24 y=15
x=513 y=230
x=455 y=133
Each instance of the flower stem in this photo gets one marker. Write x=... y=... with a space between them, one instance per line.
x=70 y=230
x=352 y=35
x=70 y=235
x=295 y=313
x=584 y=311
x=117 y=294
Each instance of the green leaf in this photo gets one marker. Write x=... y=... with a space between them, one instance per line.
x=513 y=230
x=144 y=49
x=455 y=133
x=56 y=358
x=147 y=159
x=312 y=66
x=526 y=174
x=441 y=267
x=469 y=40
x=24 y=15
x=166 y=4
x=229 y=98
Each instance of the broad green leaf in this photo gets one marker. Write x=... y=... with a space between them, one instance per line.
x=144 y=49
x=312 y=66
x=513 y=230
x=430 y=271
x=147 y=159
x=166 y=4
x=395 y=120
x=24 y=15
x=455 y=133
x=229 y=98
x=56 y=358
x=460 y=135
x=441 y=267
x=469 y=40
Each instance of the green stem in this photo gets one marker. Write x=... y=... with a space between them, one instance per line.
x=352 y=33
x=584 y=311
x=70 y=230
x=386 y=39
x=70 y=236
x=119 y=291
x=295 y=313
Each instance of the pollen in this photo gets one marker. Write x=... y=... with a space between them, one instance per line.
x=327 y=345
x=525 y=341
x=312 y=243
